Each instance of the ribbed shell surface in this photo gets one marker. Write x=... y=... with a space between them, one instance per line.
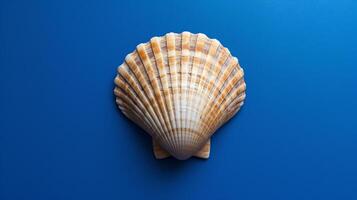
x=180 y=88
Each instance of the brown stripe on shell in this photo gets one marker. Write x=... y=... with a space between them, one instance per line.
x=125 y=86
x=164 y=78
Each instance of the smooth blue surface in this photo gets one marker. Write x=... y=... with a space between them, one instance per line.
x=62 y=137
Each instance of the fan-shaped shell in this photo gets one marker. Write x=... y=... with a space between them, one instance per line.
x=180 y=88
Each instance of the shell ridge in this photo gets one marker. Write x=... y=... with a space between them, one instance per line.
x=206 y=59
x=225 y=118
x=124 y=103
x=210 y=63
x=210 y=84
x=134 y=116
x=150 y=81
x=170 y=53
x=131 y=93
x=163 y=74
x=237 y=89
x=157 y=53
x=230 y=95
x=222 y=92
x=174 y=53
x=185 y=39
x=127 y=112
x=194 y=95
x=160 y=90
x=192 y=46
x=135 y=78
x=240 y=97
x=222 y=58
x=236 y=102
x=234 y=106
x=178 y=89
x=144 y=80
x=178 y=52
x=186 y=51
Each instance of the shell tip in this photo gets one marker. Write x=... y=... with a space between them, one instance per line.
x=128 y=57
x=140 y=45
x=202 y=35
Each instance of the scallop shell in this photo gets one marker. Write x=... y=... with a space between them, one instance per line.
x=180 y=88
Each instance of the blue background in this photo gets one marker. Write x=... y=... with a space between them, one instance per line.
x=62 y=137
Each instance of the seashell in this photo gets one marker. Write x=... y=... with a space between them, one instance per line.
x=180 y=88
